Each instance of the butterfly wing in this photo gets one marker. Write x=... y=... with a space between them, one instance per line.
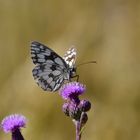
x=70 y=57
x=41 y=54
x=50 y=70
x=48 y=76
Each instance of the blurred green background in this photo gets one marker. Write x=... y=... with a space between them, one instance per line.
x=107 y=31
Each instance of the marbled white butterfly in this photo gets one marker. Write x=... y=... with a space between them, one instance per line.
x=52 y=70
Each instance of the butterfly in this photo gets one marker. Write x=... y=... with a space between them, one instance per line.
x=51 y=70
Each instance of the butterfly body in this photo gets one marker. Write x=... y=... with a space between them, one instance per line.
x=51 y=70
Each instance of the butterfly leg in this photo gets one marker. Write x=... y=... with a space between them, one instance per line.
x=77 y=77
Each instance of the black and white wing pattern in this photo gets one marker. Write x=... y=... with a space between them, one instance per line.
x=51 y=70
x=70 y=57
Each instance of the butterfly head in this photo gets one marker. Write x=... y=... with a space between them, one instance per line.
x=70 y=58
x=73 y=71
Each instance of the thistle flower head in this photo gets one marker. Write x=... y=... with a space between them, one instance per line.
x=74 y=107
x=72 y=90
x=13 y=122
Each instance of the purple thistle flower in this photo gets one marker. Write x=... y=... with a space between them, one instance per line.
x=65 y=108
x=74 y=111
x=73 y=107
x=72 y=90
x=12 y=124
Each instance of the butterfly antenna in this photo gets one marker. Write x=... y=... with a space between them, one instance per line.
x=88 y=62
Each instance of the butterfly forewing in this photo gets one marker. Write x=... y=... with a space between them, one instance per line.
x=51 y=70
x=42 y=54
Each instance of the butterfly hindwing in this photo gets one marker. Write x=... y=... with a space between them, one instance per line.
x=47 y=78
x=70 y=57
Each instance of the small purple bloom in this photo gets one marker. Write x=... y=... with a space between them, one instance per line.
x=65 y=108
x=72 y=90
x=13 y=122
x=74 y=111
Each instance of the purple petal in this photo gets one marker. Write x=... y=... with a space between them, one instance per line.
x=72 y=90
x=13 y=122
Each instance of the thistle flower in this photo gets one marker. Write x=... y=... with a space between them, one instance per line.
x=72 y=90
x=74 y=107
x=12 y=124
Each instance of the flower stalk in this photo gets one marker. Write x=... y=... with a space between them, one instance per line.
x=74 y=107
x=16 y=135
x=78 y=130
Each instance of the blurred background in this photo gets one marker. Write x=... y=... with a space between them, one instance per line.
x=107 y=31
